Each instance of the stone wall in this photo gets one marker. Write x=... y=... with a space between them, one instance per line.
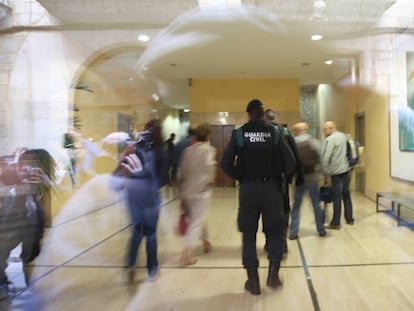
x=308 y=106
x=22 y=13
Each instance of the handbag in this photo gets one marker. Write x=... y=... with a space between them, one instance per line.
x=326 y=194
x=182 y=224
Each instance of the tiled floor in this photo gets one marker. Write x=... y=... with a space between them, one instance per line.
x=367 y=266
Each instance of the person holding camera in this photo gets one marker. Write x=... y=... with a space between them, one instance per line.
x=25 y=191
x=142 y=168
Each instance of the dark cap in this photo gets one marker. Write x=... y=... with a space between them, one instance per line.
x=254 y=104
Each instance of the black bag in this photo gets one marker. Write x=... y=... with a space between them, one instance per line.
x=308 y=156
x=326 y=194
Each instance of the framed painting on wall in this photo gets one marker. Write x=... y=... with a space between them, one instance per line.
x=406 y=112
x=401 y=110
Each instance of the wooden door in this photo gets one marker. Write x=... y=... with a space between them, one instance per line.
x=220 y=136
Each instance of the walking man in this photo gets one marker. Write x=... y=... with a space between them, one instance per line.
x=309 y=150
x=260 y=149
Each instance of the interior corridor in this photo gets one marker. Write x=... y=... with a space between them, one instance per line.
x=365 y=266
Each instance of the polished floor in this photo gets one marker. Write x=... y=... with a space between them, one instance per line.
x=365 y=266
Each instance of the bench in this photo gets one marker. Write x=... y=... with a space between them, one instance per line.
x=397 y=199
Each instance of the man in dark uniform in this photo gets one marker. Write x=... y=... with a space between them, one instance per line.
x=270 y=117
x=258 y=148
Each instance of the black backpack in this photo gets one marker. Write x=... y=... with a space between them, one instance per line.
x=308 y=156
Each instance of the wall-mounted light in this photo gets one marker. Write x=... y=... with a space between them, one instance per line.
x=329 y=62
x=223 y=114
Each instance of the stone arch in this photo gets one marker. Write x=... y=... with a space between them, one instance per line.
x=39 y=96
x=84 y=85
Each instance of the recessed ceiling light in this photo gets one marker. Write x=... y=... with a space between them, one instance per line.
x=316 y=37
x=143 y=38
x=328 y=62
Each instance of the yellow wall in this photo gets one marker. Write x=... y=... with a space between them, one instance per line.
x=233 y=95
x=335 y=104
x=377 y=154
x=208 y=97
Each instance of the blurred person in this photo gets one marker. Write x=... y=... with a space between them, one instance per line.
x=86 y=170
x=309 y=150
x=270 y=116
x=142 y=172
x=170 y=148
x=25 y=190
x=89 y=152
x=107 y=161
x=179 y=148
x=335 y=165
x=257 y=155
x=71 y=144
x=196 y=174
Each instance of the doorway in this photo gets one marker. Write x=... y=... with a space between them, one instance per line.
x=360 y=137
x=125 y=123
x=220 y=136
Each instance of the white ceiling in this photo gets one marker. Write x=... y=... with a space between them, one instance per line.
x=260 y=39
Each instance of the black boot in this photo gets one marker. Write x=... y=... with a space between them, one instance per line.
x=252 y=284
x=273 y=280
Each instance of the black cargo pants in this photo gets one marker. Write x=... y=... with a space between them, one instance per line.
x=261 y=198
